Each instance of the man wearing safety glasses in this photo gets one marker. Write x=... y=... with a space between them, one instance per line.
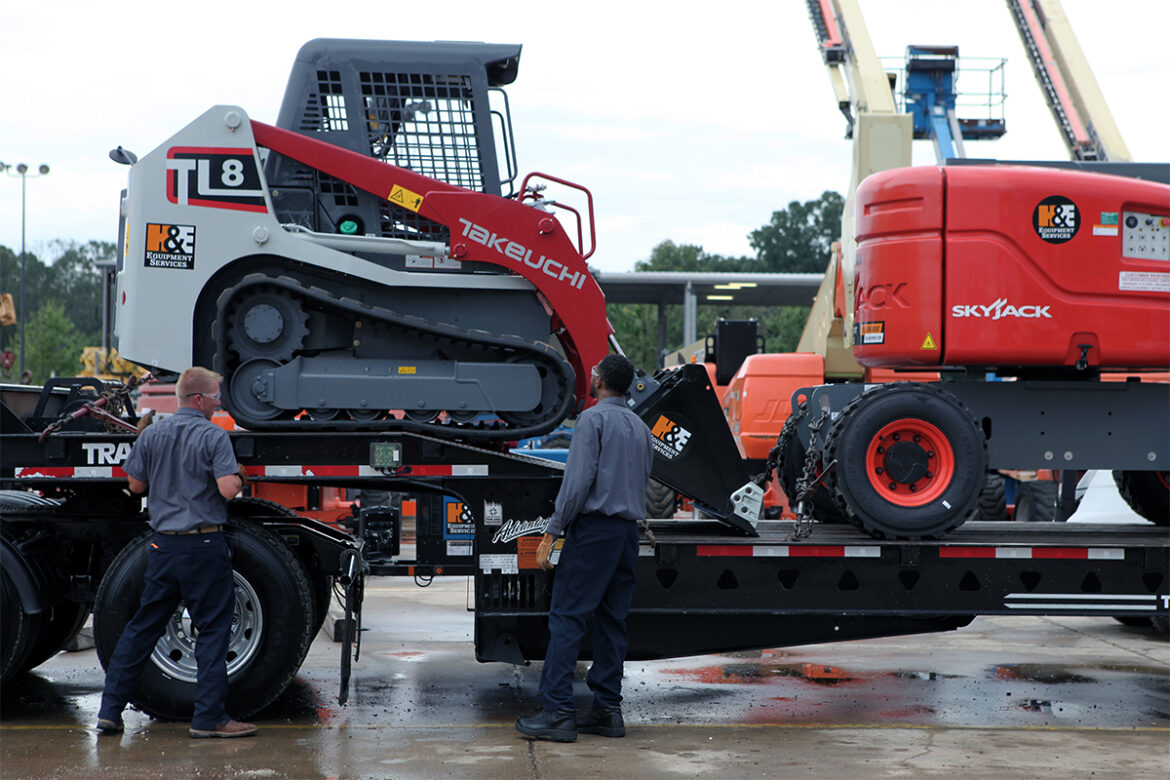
x=187 y=463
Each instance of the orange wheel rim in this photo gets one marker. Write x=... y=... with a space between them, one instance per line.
x=910 y=462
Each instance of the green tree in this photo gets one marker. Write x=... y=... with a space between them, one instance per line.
x=797 y=238
x=52 y=342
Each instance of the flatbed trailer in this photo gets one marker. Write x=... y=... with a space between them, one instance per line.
x=701 y=588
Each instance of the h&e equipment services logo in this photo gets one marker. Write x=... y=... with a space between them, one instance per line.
x=1055 y=219
x=170 y=246
x=670 y=438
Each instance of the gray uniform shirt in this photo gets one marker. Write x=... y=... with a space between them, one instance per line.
x=608 y=466
x=181 y=458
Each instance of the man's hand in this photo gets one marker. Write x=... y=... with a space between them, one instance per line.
x=145 y=420
x=243 y=475
x=544 y=551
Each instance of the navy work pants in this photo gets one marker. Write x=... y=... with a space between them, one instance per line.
x=594 y=578
x=195 y=569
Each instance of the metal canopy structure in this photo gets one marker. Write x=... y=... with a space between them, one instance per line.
x=706 y=289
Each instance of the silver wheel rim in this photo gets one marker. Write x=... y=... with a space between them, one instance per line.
x=175 y=652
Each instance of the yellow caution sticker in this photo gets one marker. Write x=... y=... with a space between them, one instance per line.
x=406 y=198
x=407 y=370
x=928 y=342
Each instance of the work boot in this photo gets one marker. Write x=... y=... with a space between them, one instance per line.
x=607 y=723
x=233 y=728
x=559 y=726
x=110 y=726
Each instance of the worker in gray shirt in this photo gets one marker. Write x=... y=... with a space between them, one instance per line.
x=601 y=500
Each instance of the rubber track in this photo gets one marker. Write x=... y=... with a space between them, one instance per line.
x=473 y=432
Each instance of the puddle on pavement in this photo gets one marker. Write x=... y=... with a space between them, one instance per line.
x=1039 y=673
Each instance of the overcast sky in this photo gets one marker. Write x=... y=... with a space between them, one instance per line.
x=688 y=121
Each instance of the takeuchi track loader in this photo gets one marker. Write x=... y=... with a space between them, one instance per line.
x=358 y=266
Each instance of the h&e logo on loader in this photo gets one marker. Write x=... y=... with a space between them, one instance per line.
x=170 y=246
x=670 y=438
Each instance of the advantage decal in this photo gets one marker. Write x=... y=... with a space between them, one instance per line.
x=518 y=253
x=999 y=310
x=670 y=438
x=170 y=246
x=214 y=177
x=514 y=529
x=1055 y=219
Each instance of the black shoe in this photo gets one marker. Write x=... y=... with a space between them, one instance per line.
x=607 y=723
x=559 y=726
x=110 y=726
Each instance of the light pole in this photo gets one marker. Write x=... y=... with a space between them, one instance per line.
x=22 y=172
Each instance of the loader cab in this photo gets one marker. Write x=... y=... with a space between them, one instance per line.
x=437 y=109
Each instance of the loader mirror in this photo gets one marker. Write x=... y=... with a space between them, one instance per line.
x=123 y=156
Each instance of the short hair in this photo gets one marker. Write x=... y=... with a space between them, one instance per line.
x=616 y=372
x=196 y=377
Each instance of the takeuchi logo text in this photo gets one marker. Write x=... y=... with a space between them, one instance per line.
x=520 y=254
x=514 y=529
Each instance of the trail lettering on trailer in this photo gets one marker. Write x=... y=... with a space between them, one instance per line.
x=999 y=310
x=670 y=438
x=106 y=454
x=518 y=253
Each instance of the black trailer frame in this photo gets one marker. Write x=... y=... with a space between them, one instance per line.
x=702 y=587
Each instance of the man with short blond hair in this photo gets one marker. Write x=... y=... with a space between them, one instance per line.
x=187 y=463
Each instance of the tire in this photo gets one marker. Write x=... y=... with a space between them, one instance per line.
x=1036 y=501
x=249 y=508
x=790 y=468
x=271 y=630
x=1147 y=493
x=992 y=502
x=59 y=623
x=18 y=630
x=660 y=500
x=911 y=461
x=557 y=441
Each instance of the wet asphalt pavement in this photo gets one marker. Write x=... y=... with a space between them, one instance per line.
x=1003 y=697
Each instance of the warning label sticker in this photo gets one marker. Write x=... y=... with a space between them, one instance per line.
x=1055 y=219
x=1143 y=281
x=870 y=333
x=405 y=198
x=928 y=342
x=170 y=246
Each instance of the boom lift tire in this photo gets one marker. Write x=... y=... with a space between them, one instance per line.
x=271 y=630
x=660 y=500
x=790 y=467
x=1036 y=501
x=992 y=501
x=1147 y=493
x=910 y=460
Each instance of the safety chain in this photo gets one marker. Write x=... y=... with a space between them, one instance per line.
x=809 y=479
x=107 y=409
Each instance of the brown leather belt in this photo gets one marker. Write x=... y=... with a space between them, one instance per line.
x=207 y=529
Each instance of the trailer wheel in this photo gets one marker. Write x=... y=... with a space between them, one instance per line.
x=18 y=630
x=790 y=468
x=910 y=461
x=249 y=508
x=60 y=622
x=660 y=500
x=271 y=628
x=1147 y=493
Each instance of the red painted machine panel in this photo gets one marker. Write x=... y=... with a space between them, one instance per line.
x=1034 y=267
